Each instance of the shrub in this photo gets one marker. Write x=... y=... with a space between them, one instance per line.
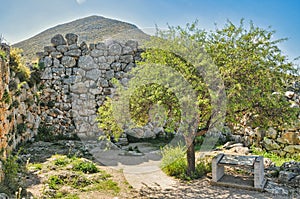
x=6 y=97
x=61 y=161
x=12 y=85
x=174 y=163
x=45 y=133
x=21 y=128
x=3 y=55
x=10 y=169
x=55 y=182
x=18 y=65
x=85 y=167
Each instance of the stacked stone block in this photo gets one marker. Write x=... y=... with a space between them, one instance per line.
x=78 y=78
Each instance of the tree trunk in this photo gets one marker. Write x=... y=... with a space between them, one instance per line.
x=190 y=154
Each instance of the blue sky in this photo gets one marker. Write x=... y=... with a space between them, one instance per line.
x=21 y=19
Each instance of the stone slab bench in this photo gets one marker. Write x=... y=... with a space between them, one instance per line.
x=255 y=163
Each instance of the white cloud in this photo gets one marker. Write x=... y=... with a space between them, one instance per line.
x=80 y=1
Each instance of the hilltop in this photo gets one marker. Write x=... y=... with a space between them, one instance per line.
x=90 y=29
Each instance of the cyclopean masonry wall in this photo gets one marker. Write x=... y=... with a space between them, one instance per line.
x=77 y=80
x=19 y=110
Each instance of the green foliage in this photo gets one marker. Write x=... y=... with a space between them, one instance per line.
x=14 y=104
x=6 y=97
x=174 y=163
x=45 y=133
x=107 y=185
x=61 y=161
x=21 y=128
x=278 y=160
x=34 y=166
x=11 y=169
x=252 y=67
x=55 y=182
x=12 y=85
x=3 y=55
x=106 y=120
x=66 y=195
x=146 y=97
x=18 y=65
x=85 y=167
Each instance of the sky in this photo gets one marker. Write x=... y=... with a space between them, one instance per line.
x=22 y=19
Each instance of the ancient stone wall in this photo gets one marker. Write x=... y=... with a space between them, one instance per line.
x=19 y=110
x=77 y=80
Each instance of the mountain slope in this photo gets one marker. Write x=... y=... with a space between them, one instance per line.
x=92 y=29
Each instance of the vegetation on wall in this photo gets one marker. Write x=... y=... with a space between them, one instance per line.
x=18 y=65
x=3 y=55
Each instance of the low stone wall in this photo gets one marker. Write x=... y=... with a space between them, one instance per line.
x=77 y=80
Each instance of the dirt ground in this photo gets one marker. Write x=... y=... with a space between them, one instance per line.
x=131 y=177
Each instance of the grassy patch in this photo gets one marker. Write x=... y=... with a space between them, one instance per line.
x=66 y=195
x=87 y=177
x=104 y=185
x=278 y=160
x=34 y=166
x=55 y=182
x=85 y=167
x=61 y=160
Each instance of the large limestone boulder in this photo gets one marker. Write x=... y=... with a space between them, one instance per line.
x=289 y=138
x=270 y=144
x=58 y=40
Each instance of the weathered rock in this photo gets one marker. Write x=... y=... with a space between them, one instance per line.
x=271 y=133
x=289 y=138
x=132 y=44
x=58 y=40
x=71 y=38
x=285 y=176
x=79 y=88
x=270 y=144
x=115 y=49
x=68 y=61
x=93 y=74
x=97 y=53
x=73 y=53
x=289 y=94
x=47 y=75
x=62 y=48
x=47 y=61
x=49 y=49
x=87 y=63
x=292 y=148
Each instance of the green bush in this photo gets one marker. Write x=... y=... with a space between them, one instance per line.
x=11 y=169
x=6 y=97
x=18 y=65
x=55 y=182
x=21 y=128
x=174 y=163
x=3 y=55
x=61 y=161
x=45 y=133
x=85 y=167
